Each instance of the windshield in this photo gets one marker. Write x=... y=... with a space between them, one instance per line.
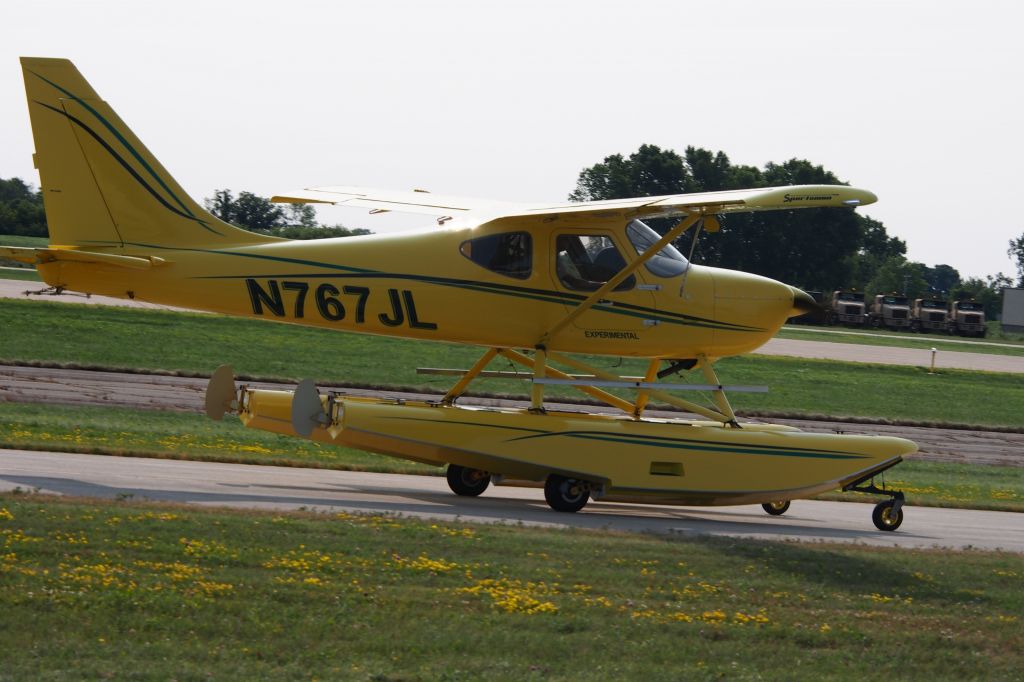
x=666 y=263
x=850 y=296
x=969 y=305
x=895 y=300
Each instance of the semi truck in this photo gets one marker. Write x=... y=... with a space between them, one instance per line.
x=848 y=307
x=890 y=310
x=929 y=315
x=967 y=318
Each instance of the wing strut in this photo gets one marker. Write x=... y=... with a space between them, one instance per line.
x=726 y=416
x=460 y=387
x=622 y=274
x=543 y=374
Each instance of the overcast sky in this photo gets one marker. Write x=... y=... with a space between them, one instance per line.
x=919 y=102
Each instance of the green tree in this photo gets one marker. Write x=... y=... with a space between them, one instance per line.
x=302 y=215
x=814 y=248
x=1016 y=253
x=898 y=275
x=650 y=171
x=21 y=209
x=256 y=213
x=942 y=278
x=811 y=248
x=316 y=231
x=250 y=211
x=875 y=249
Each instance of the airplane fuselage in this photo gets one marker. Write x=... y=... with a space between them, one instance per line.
x=427 y=285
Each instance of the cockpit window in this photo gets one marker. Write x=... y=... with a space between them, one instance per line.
x=586 y=261
x=509 y=254
x=666 y=263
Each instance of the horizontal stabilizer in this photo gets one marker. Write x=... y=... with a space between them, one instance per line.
x=34 y=256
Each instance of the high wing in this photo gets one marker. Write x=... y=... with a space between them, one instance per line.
x=383 y=200
x=490 y=212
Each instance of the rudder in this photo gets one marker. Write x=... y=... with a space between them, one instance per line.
x=100 y=185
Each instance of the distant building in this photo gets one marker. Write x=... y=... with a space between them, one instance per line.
x=1013 y=310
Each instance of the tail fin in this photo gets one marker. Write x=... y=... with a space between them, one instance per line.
x=101 y=186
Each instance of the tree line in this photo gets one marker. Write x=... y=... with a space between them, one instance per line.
x=816 y=249
x=21 y=213
x=21 y=209
x=258 y=214
x=821 y=249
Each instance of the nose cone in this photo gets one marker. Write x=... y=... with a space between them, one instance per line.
x=751 y=309
x=803 y=303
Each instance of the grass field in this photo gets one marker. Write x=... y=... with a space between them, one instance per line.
x=175 y=435
x=124 y=590
x=19 y=240
x=125 y=338
x=114 y=431
x=21 y=274
x=890 y=338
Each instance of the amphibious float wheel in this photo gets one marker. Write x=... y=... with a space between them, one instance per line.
x=566 y=494
x=776 y=508
x=467 y=482
x=884 y=517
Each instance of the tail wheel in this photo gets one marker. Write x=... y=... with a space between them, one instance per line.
x=776 y=508
x=566 y=494
x=885 y=518
x=467 y=482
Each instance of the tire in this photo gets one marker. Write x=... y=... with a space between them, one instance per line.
x=467 y=482
x=566 y=494
x=883 y=518
x=776 y=508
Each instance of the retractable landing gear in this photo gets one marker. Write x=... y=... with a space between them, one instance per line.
x=467 y=482
x=776 y=508
x=566 y=494
x=887 y=515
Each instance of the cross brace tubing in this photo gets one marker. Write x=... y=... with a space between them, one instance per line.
x=609 y=383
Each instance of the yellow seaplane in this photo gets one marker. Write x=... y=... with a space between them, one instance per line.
x=532 y=284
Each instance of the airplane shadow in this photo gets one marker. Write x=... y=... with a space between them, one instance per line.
x=856 y=574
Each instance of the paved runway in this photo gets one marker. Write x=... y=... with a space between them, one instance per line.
x=261 y=487
x=892 y=355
